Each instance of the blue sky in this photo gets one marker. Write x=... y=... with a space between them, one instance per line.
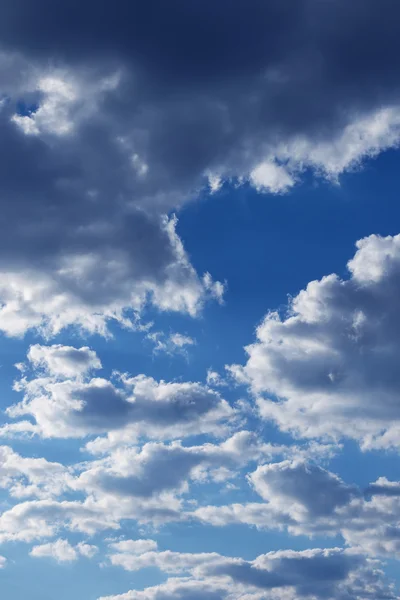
x=199 y=284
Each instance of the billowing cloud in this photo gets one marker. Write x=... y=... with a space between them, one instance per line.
x=66 y=401
x=105 y=135
x=305 y=499
x=78 y=247
x=157 y=468
x=173 y=343
x=330 y=573
x=329 y=366
x=40 y=519
x=62 y=551
x=63 y=361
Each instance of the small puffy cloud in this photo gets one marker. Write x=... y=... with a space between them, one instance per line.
x=214 y=379
x=3 y=562
x=104 y=137
x=39 y=519
x=174 y=343
x=87 y=550
x=26 y=477
x=65 y=361
x=60 y=550
x=305 y=499
x=302 y=487
x=329 y=366
x=270 y=177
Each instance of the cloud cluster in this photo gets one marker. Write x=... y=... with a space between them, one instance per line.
x=78 y=245
x=111 y=121
x=65 y=400
x=331 y=573
x=305 y=499
x=329 y=367
x=62 y=551
x=24 y=476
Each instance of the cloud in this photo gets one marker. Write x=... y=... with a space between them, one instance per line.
x=31 y=477
x=269 y=177
x=150 y=484
x=308 y=486
x=65 y=401
x=328 y=367
x=63 y=361
x=304 y=499
x=105 y=136
x=158 y=468
x=39 y=519
x=133 y=547
x=330 y=573
x=62 y=551
x=173 y=343
x=177 y=589
x=214 y=379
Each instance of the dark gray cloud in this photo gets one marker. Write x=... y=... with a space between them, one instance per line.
x=114 y=114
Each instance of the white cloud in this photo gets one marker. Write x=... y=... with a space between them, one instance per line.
x=173 y=343
x=87 y=550
x=330 y=573
x=60 y=550
x=270 y=177
x=329 y=366
x=214 y=379
x=305 y=499
x=31 y=477
x=64 y=361
x=65 y=401
x=134 y=547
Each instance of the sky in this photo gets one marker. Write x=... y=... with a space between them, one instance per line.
x=199 y=300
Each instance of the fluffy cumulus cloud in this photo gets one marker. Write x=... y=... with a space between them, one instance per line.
x=66 y=400
x=62 y=551
x=173 y=343
x=331 y=573
x=157 y=468
x=109 y=122
x=25 y=477
x=329 y=366
x=305 y=499
x=84 y=248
